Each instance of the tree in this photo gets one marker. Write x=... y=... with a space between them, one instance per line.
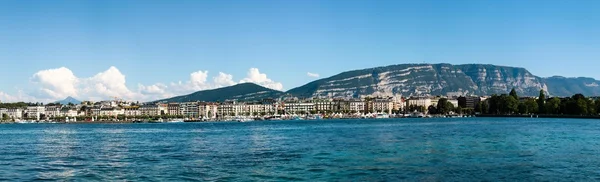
x=494 y=104
x=511 y=105
x=432 y=110
x=597 y=104
x=443 y=107
x=552 y=106
x=485 y=107
x=541 y=101
x=532 y=106
x=591 y=108
x=5 y=117
x=458 y=110
x=523 y=108
x=582 y=107
x=478 y=108
x=505 y=104
x=513 y=94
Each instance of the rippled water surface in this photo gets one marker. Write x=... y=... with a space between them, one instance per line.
x=328 y=150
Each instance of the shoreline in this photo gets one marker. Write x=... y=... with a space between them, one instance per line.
x=195 y=121
x=537 y=116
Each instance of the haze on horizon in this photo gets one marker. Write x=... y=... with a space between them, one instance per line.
x=144 y=50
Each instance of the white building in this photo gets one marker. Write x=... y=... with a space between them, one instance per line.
x=383 y=105
x=226 y=109
x=357 y=106
x=174 y=109
x=52 y=111
x=208 y=110
x=420 y=101
x=298 y=107
x=35 y=112
x=399 y=103
x=189 y=109
x=111 y=111
x=69 y=112
x=95 y=111
x=154 y=110
x=132 y=111
x=323 y=105
x=14 y=113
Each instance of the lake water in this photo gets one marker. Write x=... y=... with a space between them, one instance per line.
x=457 y=149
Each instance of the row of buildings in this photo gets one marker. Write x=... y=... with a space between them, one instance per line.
x=212 y=110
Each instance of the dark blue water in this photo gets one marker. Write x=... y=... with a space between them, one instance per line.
x=332 y=150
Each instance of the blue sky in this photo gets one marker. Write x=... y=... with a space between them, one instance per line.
x=159 y=43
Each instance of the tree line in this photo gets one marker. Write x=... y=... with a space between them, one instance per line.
x=510 y=103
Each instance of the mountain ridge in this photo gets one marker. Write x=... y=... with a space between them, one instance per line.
x=240 y=92
x=68 y=100
x=416 y=79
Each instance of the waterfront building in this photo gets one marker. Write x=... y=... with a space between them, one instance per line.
x=174 y=109
x=52 y=111
x=299 y=107
x=111 y=111
x=95 y=110
x=434 y=101
x=322 y=105
x=14 y=113
x=35 y=112
x=208 y=110
x=150 y=110
x=356 y=105
x=69 y=112
x=399 y=103
x=341 y=105
x=468 y=101
x=189 y=109
x=254 y=108
x=224 y=109
x=383 y=105
x=421 y=101
x=132 y=111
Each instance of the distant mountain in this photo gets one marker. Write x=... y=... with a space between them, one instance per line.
x=413 y=80
x=240 y=92
x=68 y=100
x=442 y=79
x=562 y=86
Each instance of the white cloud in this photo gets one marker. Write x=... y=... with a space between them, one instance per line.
x=19 y=97
x=110 y=83
x=314 y=75
x=59 y=83
x=199 y=81
x=254 y=76
x=56 y=83
x=223 y=80
x=4 y=97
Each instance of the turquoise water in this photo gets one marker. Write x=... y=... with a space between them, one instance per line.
x=457 y=149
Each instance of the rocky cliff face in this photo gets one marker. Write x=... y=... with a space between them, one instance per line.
x=491 y=79
x=411 y=80
x=422 y=79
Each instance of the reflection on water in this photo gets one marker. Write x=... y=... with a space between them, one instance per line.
x=330 y=150
x=55 y=150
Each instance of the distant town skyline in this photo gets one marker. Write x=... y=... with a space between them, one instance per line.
x=144 y=50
